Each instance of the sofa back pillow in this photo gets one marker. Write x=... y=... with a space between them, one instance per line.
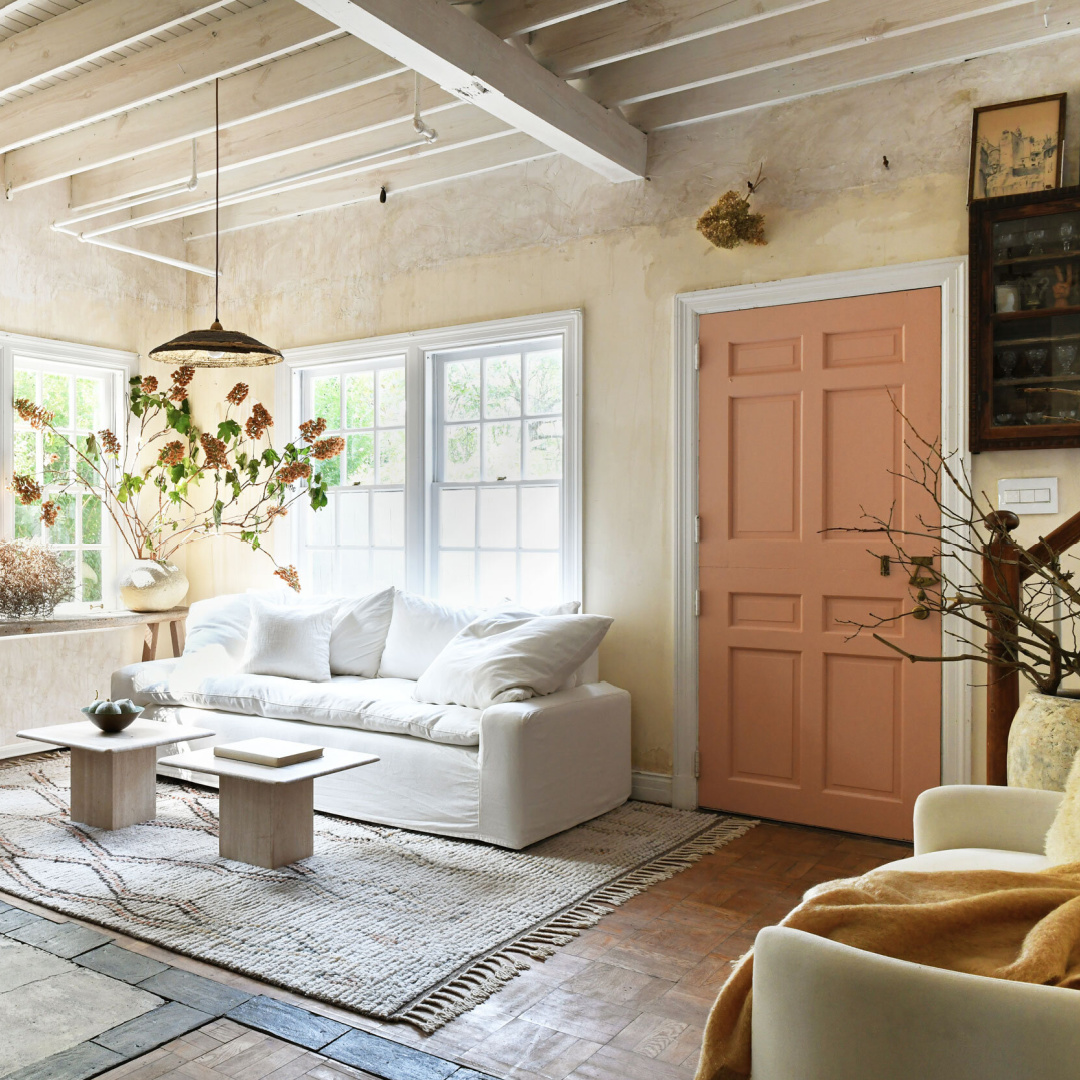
x=290 y=641
x=419 y=630
x=510 y=657
x=359 y=633
x=221 y=621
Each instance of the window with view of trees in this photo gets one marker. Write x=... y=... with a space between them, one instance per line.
x=461 y=471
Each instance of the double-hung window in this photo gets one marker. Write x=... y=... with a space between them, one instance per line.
x=83 y=387
x=461 y=472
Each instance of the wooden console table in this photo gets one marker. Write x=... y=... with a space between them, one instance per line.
x=106 y=620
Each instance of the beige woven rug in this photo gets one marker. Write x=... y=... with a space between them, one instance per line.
x=394 y=924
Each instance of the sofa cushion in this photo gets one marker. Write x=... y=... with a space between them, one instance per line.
x=419 y=630
x=290 y=642
x=345 y=701
x=1022 y=862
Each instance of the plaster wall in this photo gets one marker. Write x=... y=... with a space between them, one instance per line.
x=549 y=235
x=52 y=286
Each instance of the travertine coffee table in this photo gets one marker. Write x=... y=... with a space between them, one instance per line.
x=114 y=776
x=266 y=814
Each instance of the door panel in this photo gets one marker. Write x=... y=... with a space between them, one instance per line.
x=800 y=432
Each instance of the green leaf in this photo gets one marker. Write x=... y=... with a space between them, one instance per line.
x=253 y=469
x=228 y=429
x=218 y=507
x=176 y=472
x=270 y=456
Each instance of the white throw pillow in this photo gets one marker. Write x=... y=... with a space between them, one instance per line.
x=419 y=630
x=222 y=621
x=293 y=642
x=359 y=634
x=508 y=657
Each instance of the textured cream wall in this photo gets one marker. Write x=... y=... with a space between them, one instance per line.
x=52 y=286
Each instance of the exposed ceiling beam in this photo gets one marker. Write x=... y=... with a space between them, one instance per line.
x=87 y=32
x=464 y=125
x=318 y=123
x=457 y=164
x=834 y=27
x=462 y=56
x=257 y=34
x=883 y=59
x=507 y=17
x=612 y=34
x=332 y=68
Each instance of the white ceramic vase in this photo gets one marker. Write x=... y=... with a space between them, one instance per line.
x=148 y=585
x=1043 y=740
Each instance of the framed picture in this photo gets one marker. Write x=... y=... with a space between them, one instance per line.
x=1016 y=147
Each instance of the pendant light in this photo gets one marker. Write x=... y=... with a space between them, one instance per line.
x=216 y=348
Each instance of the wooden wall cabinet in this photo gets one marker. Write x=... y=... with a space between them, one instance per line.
x=1025 y=321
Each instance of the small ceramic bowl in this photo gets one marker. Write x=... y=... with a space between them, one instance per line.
x=112 y=723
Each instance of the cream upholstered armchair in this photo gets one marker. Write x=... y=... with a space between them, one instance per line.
x=825 y=1011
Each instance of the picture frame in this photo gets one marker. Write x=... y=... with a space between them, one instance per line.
x=1016 y=147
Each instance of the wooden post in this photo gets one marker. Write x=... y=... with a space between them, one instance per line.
x=1001 y=578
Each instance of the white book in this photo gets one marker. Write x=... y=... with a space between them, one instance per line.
x=273 y=752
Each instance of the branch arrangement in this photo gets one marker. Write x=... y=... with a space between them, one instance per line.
x=1018 y=616
x=172 y=483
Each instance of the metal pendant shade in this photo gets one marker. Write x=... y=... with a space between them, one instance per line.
x=216 y=347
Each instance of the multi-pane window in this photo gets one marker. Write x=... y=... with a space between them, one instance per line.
x=357 y=542
x=82 y=401
x=499 y=472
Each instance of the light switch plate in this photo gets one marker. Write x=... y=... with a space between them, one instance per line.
x=1030 y=495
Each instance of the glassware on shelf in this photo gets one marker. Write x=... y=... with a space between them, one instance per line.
x=1004 y=419
x=1036 y=359
x=1005 y=242
x=1007 y=361
x=1034 y=291
x=1067 y=232
x=1065 y=359
x=1035 y=236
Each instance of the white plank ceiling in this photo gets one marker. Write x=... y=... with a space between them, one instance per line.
x=116 y=96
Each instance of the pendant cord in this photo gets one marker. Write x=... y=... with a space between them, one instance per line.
x=217 y=197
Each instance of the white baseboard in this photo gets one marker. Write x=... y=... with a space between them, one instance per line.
x=24 y=747
x=651 y=787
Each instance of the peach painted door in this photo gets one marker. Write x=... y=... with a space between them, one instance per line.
x=798 y=434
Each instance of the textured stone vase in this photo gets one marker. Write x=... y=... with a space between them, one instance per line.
x=147 y=585
x=1043 y=740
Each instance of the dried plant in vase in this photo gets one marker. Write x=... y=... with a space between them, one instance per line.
x=33 y=580
x=729 y=222
x=171 y=483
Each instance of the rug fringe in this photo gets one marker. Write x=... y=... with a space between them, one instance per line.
x=489 y=975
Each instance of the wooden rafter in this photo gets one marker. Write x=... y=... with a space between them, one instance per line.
x=462 y=56
x=508 y=17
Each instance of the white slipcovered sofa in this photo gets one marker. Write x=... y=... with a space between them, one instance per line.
x=508 y=774
x=826 y=1011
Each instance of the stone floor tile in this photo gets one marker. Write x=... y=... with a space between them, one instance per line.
x=149 y=1031
x=76 y=1063
x=287 y=1022
x=206 y=995
x=387 y=1059
x=61 y=939
x=117 y=963
x=14 y=918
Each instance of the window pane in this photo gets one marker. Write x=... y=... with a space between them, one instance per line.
x=540 y=517
x=330 y=470
x=353 y=514
x=461 y=460
x=84 y=469
x=388 y=518
x=544 y=375
x=498 y=517
x=55 y=390
x=91 y=576
x=387 y=568
x=457 y=519
x=392 y=457
x=57 y=460
x=360 y=453
x=498 y=577
x=320 y=524
x=27 y=520
x=462 y=383
x=502 y=389
x=457 y=577
x=26 y=453
x=539 y=579
x=91 y=519
x=326 y=393
x=86 y=402
x=25 y=385
x=360 y=400
x=63 y=531
x=502 y=450
x=391 y=397
x=544 y=452
x=320 y=578
x=352 y=570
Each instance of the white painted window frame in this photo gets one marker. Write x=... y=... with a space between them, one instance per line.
x=418 y=348
x=950 y=275
x=123 y=364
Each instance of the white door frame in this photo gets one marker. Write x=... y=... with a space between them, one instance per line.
x=950 y=275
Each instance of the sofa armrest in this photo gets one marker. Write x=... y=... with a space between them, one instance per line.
x=826 y=1011
x=128 y=681
x=975 y=815
x=549 y=763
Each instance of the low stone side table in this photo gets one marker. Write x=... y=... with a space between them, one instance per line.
x=266 y=814
x=114 y=776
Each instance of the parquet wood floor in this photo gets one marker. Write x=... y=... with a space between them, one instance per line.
x=627 y=1000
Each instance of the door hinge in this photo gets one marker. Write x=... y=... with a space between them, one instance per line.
x=697 y=529
x=697 y=355
x=697 y=764
x=697 y=601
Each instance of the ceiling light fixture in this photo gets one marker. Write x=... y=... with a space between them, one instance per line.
x=216 y=348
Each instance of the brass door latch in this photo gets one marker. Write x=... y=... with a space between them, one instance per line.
x=922 y=575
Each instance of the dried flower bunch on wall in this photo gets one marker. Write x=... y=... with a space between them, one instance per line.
x=33 y=580
x=729 y=222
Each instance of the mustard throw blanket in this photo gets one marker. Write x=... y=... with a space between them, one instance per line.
x=1024 y=927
